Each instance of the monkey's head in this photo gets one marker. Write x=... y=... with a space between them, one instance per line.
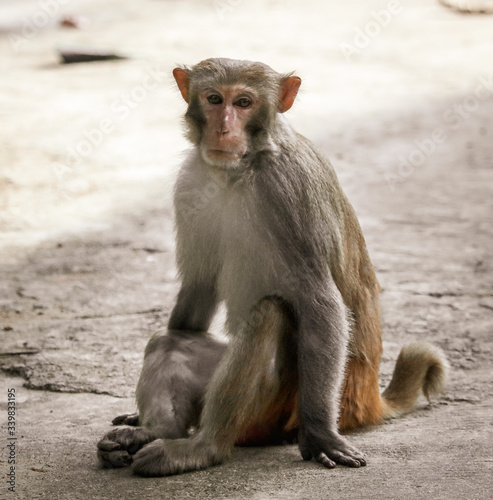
x=232 y=108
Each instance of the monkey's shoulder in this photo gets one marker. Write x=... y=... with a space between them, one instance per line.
x=298 y=172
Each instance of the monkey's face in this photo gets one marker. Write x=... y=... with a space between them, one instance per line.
x=228 y=113
x=232 y=108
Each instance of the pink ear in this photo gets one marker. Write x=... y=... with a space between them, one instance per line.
x=182 y=80
x=289 y=90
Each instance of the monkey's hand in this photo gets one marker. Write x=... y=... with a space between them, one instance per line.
x=329 y=448
x=164 y=457
x=117 y=447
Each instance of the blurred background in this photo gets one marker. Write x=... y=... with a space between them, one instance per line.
x=80 y=142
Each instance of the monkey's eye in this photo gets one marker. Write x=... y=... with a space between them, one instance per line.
x=244 y=102
x=215 y=99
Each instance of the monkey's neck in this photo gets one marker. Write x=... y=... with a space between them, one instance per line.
x=282 y=131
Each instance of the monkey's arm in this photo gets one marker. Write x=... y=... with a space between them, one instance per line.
x=197 y=257
x=194 y=308
x=323 y=337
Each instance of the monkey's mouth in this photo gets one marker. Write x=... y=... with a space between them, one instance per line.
x=221 y=154
x=220 y=158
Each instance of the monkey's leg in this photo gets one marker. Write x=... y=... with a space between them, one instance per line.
x=361 y=404
x=278 y=423
x=323 y=335
x=177 y=367
x=240 y=390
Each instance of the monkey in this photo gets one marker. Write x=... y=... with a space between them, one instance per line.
x=263 y=226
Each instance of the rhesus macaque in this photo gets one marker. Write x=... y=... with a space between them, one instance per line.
x=263 y=226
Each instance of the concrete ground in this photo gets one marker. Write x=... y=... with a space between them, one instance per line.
x=398 y=94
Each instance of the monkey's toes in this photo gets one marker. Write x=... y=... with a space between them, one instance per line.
x=114 y=459
x=164 y=457
x=151 y=461
x=115 y=450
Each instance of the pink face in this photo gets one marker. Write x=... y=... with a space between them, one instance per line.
x=227 y=110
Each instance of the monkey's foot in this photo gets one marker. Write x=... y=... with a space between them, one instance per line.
x=164 y=457
x=127 y=419
x=117 y=447
x=330 y=449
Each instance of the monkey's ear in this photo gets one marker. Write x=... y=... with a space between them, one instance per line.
x=289 y=90
x=183 y=81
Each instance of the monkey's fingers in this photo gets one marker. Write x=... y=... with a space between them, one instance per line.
x=326 y=461
x=341 y=458
x=330 y=450
x=127 y=419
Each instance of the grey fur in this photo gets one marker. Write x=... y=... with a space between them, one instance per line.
x=269 y=230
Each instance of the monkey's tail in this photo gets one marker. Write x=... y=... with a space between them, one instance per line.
x=419 y=367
